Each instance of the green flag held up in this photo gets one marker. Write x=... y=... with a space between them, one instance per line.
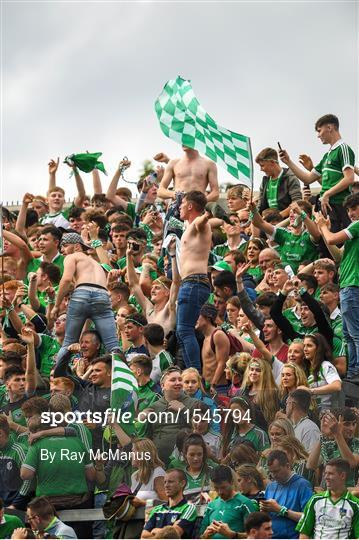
x=184 y=120
x=86 y=162
x=124 y=393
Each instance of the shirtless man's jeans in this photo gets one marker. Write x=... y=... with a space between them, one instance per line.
x=193 y=293
x=90 y=303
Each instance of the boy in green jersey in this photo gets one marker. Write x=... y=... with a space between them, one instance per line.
x=334 y=513
x=335 y=172
x=348 y=278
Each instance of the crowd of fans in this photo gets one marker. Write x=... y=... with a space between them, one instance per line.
x=239 y=321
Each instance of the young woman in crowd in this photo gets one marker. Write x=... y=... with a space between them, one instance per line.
x=147 y=480
x=278 y=429
x=252 y=251
x=324 y=380
x=235 y=368
x=193 y=387
x=197 y=466
x=232 y=307
x=239 y=427
x=296 y=354
x=291 y=378
x=240 y=454
x=260 y=389
x=251 y=482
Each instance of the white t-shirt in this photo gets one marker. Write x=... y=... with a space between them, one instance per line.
x=147 y=491
x=327 y=374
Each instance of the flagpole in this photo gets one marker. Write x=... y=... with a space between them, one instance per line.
x=251 y=168
x=2 y=253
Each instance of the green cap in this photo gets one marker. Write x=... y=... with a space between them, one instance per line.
x=222 y=266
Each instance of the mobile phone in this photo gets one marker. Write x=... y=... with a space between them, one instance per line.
x=279 y=146
x=135 y=246
x=289 y=271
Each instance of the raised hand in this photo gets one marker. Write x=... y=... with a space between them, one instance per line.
x=27 y=198
x=53 y=165
x=306 y=161
x=93 y=229
x=284 y=156
x=161 y=157
x=74 y=348
x=27 y=335
x=241 y=270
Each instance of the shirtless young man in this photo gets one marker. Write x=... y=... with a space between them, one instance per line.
x=161 y=309
x=90 y=299
x=190 y=172
x=195 y=288
x=213 y=361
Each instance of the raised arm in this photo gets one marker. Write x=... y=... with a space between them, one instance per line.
x=259 y=345
x=81 y=194
x=259 y=222
x=19 y=243
x=336 y=253
x=97 y=185
x=133 y=281
x=213 y=195
x=111 y=192
x=21 y=218
x=305 y=176
x=276 y=313
x=253 y=314
x=102 y=254
x=201 y=222
x=32 y=291
x=324 y=326
x=53 y=166
x=163 y=191
x=30 y=373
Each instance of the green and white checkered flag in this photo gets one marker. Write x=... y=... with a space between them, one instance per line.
x=184 y=120
x=124 y=392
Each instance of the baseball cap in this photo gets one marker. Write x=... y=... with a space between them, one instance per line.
x=221 y=266
x=73 y=238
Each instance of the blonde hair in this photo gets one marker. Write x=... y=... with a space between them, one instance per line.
x=146 y=466
x=267 y=396
x=294 y=447
x=195 y=372
x=284 y=425
x=300 y=378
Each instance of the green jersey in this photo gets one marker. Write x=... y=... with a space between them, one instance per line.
x=131 y=210
x=324 y=518
x=8 y=524
x=255 y=435
x=221 y=250
x=272 y=192
x=339 y=157
x=47 y=349
x=327 y=375
x=160 y=363
x=294 y=319
x=329 y=450
x=184 y=513
x=199 y=481
x=59 y=463
x=256 y=273
x=34 y=264
x=348 y=270
x=295 y=248
x=232 y=512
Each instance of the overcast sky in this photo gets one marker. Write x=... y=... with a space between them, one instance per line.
x=80 y=76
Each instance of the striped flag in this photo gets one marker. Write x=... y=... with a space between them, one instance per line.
x=184 y=120
x=124 y=392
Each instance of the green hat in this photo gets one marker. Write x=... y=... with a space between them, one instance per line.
x=222 y=266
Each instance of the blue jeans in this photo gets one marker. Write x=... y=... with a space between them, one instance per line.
x=349 y=307
x=191 y=297
x=90 y=303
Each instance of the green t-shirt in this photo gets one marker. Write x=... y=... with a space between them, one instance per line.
x=131 y=210
x=323 y=518
x=329 y=450
x=47 y=349
x=255 y=435
x=60 y=464
x=272 y=192
x=10 y=523
x=348 y=270
x=294 y=320
x=256 y=273
x=232 y=512
x=294 y=248
x=200 y=481
x=34 y=264
x=331 y=167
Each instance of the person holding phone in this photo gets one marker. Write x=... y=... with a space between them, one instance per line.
x=280 y=187
x=335 y=171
